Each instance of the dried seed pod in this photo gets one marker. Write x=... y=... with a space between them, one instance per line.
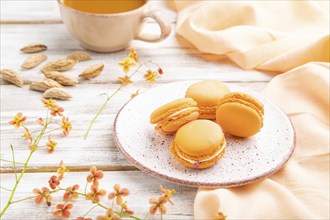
x=56 y=93
x=61 y=78
x=59 y=65
x=44 y=84
x=12 y=77
x=34 y=48
x=79 y=56
x=34 y=60
x=92 y=71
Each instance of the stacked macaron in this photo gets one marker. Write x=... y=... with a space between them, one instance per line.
x=200 y=143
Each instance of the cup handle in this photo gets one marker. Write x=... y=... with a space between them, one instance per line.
x=163 y=22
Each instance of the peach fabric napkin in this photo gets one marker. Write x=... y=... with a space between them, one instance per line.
x=264 y=35
x=281 y=36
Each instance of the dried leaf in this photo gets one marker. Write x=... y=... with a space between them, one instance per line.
x=61 y=78
x=92 y=71
x=56 y=93
x=34 y=60
x=59 y=65
x=34 y=48
x=79 y=56
x=12 y=77
x=44 y=84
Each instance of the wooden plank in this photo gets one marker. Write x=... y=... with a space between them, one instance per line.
x=141 y=186
x=36 y=11
x=179 y=60
x=98 y=149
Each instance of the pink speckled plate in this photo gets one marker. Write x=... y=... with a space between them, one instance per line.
x=246 y=159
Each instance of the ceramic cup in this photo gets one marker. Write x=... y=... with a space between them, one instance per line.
x=113 y=32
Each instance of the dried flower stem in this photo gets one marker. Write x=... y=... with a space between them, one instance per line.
x=5 y=188
x=10 y=161
x=109 y=98
x=90 y=210
x=14 y=164
x=36 y=141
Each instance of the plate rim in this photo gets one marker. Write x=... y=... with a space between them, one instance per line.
x=229 y=184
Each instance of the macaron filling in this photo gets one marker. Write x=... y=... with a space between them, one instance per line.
x=203 y=160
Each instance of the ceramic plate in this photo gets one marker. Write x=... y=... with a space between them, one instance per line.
x=246 y=159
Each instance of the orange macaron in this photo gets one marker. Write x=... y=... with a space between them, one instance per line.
x=207 y=94
x=240 y=114
x=171 y=116
x=199 y=144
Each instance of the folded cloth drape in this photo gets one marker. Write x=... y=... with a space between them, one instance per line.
x=264 y=35
x=280 y=36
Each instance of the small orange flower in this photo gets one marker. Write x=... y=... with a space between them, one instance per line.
x=118 y=194
x=220 y=216
x=56 y=110
x=125 y=80
x=63 y=210
x=125 y=210
x=82 y=218
x=133 y=55
x=126 y=64
x=95 y=194
x=18 y=120
x=167 y=193
x=51 y=144
x=66 y=126
x=43 y=195
x=157 y=205
x=70 y=193
x=40 y=121
x=27 y=135
x=61 y=170
x=135 y=94
x=109 y=215
x=48 y=103
x=150 y=76
x=94 y=175
x=53 y=182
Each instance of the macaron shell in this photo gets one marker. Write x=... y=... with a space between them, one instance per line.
x=199 y=137
x=170 y=108
x=238 y=119
x=201 y=156
x=207 y=112
x=172 y=124
x=207 y=92
x=201 y=165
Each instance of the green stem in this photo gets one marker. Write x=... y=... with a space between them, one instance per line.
x=108 y=99
x=9 y=202
x=145 y=217
x=100 y=111
x=10 y=161
x=52 y=130
x=14 y=163
x=5 y=188
x=90 y=210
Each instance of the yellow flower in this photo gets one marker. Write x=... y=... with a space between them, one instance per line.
x=133 y=55
x=66 y=126
x=48 y=103
x=51 y=144
x=220 y=216
x=18 y=120
x=135 y=94
x=150 y=76
x=61 y=170
x=126 y=64
x=125 y=80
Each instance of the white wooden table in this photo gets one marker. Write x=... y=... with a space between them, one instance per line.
x=28 y=21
